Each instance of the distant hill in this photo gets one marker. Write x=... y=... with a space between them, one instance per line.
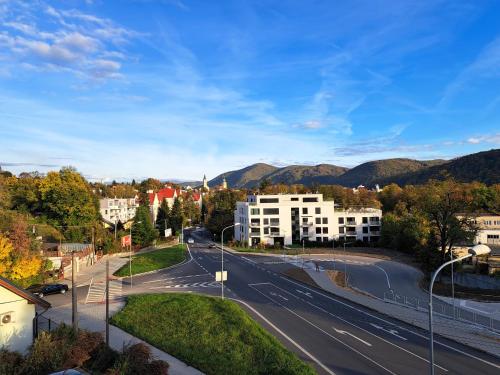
x=374 y=172
x=247 y=177
x=483 y=167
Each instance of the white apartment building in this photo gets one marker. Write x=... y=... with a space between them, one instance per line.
x=291 y=218
x=114 y=210
x=488 y=230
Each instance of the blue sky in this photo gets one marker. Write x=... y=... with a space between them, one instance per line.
x=177 y=88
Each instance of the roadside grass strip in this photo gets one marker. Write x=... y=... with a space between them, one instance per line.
x=215 y=336
x=154 y=260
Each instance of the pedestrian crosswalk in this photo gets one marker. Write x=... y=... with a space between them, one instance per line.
x=97 y=291
x=204 y=284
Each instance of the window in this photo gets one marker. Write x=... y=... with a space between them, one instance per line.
x=304 y=210
x=493 y=236
x=255 y=221
x=266 y=230
x=295 y=199
x=310 y=199
x=325 y=220
x=318 y=239
x=266 y=221
x=275 y=222
x=255 y=211
x=341 y=220
x=305 y=230
x=365 y=220
x=304 y=220
x=365 y=229
x=271 y=211
x=317 y=210
x=325 y=239
x=325 y=230
x=269 y=200
x=106 y=212
x=341 y=229
x=318 y=220
x=318 y=230
x=255 y=230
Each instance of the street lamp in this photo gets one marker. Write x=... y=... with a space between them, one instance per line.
x=130 y=253
x=222 y=257
x=473 y=251
x=345 y=264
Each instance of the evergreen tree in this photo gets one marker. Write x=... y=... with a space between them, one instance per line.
x=163 y=218
x=176 y=216
x=143 y=232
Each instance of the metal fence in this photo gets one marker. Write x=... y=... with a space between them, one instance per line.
x=44 y=324
x=444 y=309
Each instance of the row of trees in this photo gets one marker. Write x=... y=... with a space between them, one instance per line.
x=428 y=220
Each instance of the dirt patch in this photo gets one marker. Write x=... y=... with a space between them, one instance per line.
x=337 y=277
x=300 y=275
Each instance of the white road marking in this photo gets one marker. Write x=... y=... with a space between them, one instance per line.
x=391 y=331
x=258 y=284
x=278 y=295
x=304 y=293
x=286 y=336
x=326 y=333
x=350 y=334
x=175 y=278
x=393 y=324
x=386 y=275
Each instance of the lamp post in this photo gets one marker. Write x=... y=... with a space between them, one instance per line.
x=222 y=257
x=473 y=251
x=130 y=253
x=345 y=264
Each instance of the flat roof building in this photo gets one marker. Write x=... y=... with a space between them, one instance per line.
x=291 y=218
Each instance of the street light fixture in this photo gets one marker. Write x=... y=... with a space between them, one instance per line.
x=473 y=251
x=222 y=257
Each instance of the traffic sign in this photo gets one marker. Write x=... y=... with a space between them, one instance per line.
x=218 y=276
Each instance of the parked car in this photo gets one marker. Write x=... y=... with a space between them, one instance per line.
x=190 y=240
x=44 y=289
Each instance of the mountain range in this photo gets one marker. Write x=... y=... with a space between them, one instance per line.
x=483 y=167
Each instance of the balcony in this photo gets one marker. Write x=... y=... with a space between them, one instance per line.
x=375 y=232
x=351 y=222
x=306 y=224
x=351 y=232
x=254 y=225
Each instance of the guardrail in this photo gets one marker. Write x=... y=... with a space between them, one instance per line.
x=444 y=309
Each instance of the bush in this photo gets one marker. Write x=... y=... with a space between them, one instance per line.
x=10 y=362
x=137 y=359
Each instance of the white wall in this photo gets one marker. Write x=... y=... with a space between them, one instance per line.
x=18 y=335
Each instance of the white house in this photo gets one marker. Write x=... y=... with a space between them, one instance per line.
x=17 y=314
x=114 y=210
x=290 y=218
x=488 y=230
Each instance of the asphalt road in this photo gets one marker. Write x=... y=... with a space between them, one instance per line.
x=335 y=335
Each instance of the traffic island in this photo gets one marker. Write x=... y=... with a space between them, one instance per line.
x=154 y=260
x=213 y=335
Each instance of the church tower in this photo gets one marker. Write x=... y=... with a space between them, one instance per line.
x=205 y=183
x=224 y=183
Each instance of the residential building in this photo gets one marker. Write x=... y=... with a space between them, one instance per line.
x=17 y=316
x=291 y=218
x=169 y=194
x=114 y=210
x=488 y=230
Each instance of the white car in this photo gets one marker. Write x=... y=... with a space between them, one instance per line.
x=190 y=240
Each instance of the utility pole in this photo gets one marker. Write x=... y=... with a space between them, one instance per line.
x=74 y=299
x=107 y=302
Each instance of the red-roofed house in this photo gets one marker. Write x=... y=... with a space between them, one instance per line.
x=167 y=193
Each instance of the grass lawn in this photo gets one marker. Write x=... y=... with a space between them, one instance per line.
x=215 y=336
x=154 y=260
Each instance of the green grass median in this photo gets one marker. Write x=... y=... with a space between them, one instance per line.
x=215 y=336
x=154 y=260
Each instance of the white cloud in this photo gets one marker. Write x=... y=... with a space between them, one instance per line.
x=493 y=139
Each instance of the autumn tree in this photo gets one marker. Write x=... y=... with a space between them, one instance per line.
x=17 y=265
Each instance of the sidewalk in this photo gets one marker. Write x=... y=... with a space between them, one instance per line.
x=92 y=318
x=467 y=334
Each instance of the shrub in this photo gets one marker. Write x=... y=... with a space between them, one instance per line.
x=137 y=359
x=10 y=362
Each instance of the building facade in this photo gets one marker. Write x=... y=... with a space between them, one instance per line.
x=291 y=218
x=488 y=230
x=169 y=194
x=114 y=210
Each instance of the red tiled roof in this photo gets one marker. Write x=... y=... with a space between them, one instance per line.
x=166 y=193
x=196 y=196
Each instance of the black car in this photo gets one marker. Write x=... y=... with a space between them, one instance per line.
x=44 y=289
